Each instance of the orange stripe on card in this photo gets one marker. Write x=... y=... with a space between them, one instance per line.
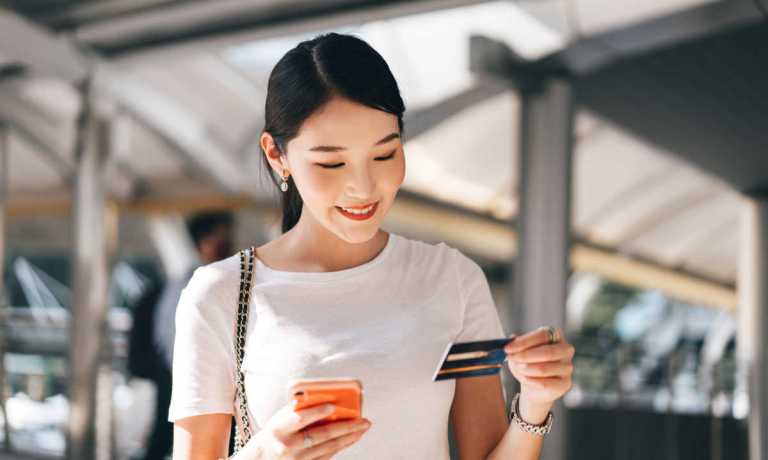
x=467 y=368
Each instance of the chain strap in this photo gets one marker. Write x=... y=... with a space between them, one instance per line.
x=242 y=429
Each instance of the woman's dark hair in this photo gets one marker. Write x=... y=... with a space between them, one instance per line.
x=307 y=77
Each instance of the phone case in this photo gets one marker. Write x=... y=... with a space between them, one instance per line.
x=345 y=392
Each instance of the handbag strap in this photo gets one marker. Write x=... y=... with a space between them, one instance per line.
x=242 y=429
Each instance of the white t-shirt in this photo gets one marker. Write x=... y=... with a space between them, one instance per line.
x=386 y=322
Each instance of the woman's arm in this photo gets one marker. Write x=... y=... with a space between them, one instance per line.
x=480 y=422
x=478 y=416
x=202 y=437
x=544 y=370
x=519 y=444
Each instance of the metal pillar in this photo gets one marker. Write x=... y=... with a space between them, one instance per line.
x=88 y=321
x=753 y=318
x=546 y=136
x=4 y=193
x=541 y=269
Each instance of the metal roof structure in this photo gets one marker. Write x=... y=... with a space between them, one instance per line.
x=187 y=82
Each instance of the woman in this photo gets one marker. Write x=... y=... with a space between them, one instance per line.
x=336 y=296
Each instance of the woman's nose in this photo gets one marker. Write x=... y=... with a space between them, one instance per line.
x=360 y=184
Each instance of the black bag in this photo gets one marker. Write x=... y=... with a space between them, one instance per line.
x=143 y=359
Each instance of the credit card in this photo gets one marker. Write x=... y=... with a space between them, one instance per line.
x=471 y=359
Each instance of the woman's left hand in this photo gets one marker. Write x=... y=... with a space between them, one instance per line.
x=543 y=370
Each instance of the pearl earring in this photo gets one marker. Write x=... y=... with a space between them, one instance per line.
x=284 y=185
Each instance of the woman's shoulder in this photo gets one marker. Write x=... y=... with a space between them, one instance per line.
x=442 y=254
x=431 y=252
x=215 y=282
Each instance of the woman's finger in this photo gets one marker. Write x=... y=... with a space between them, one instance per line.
x=531 y=339
x=558 y=385
x=544 y=353
x=293 y=421
x=332 y=446
x=549 y=369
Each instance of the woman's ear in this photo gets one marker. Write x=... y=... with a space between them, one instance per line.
x=274 y=156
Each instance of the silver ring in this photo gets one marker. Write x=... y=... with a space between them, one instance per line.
x=308 y=441
x=554 y=335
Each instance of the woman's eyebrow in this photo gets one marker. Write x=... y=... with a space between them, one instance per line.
x=336 y=148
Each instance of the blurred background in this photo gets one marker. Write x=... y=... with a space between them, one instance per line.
x=605 y=162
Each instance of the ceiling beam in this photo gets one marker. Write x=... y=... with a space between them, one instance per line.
x=201 y=161
x=41 y=52
x=190 y=143
x=706 y=105
x=420 y=121
x=590 y=53
x=31 y=127
x=211 y=26
x=480 y=235
x=67 y=17
x=57 y=162
x=645 y=275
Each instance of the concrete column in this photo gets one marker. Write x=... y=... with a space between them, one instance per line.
x=4 y=193
x=546 y=135
x=753 y=318
x=542 y=268
x=88 y=321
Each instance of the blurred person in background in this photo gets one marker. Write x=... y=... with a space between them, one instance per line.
x=212 y=234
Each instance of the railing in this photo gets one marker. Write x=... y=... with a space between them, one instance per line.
x=35 y=348
x=630 y=402
x=636 y=400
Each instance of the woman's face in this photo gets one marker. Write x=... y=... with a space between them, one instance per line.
x=345 y=155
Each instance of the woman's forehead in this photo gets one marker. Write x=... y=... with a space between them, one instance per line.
x=347 y=124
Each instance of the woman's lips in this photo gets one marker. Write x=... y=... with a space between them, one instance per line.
x=359 y=216
x=358 y=207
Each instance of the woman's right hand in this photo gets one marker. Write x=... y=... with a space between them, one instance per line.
x=283 y=435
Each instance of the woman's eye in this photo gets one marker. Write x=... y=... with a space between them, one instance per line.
x=388 y=157
x=338 y=165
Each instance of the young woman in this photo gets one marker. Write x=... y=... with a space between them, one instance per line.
x=337 y=296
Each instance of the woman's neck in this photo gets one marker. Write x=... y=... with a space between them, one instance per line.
x=312 y=248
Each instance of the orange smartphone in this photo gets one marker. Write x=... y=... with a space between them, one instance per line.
x=346 y=393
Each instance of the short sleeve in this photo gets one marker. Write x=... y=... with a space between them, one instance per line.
x=204 y=358
x=481 y=318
